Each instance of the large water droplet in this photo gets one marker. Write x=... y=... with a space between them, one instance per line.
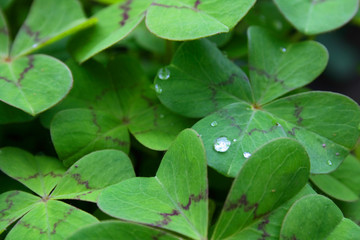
x=283 y=49
x=164 y=73
x=158 y=89
x=247 y=154
x=329 y=162
x=222 y=144
x=214 y=124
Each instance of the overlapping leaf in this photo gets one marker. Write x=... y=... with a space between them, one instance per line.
x=175 y=20
x=330 y=224
x=343 y=183
x=271 y=176
x=4 y=36
x=113 y=230
x=112 y=106
x=175 y=199
x=44 y=217
x=248 y=116
x=317 y=16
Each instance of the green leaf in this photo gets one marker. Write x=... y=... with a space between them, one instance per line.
x=39 y=173
x=4 y=37
x=199 y=73
x=318 y=16
x=114 y=230
x=271 y=176
x=110 y=107
x=13 y=205
x=9 y=114
x=92 y=173
x=34 y=83
x=342 y=184
x=114 y=23
x=50 y=220
x=325 y=123
x=175 y=199
x=164 y=18
x=318 y=217
x=283 y=66
x=49 y=21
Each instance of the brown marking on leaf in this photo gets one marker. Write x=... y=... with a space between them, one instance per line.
x=229 y=81
x=297 y=112
x=9 y=203
x=27 y=69
x=166 y=218
x=149 y=101
x=78 y=179
x=102 y=94
x=78 y=197
x=242 y=202
x=125 y=14
x=66 y=215
x=116 y=140
x=269 y=76
x=213 y=96
x=292 y=131
x=177 y=7
x=94 y=120
x=262 y=131
x=6 y=79
x=195 y=198
x=30 y=226
x=29 y=32
x=36 y=175
x=262 y=226
x=225 y=113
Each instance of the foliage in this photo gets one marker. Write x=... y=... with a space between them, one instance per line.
x=225 y=142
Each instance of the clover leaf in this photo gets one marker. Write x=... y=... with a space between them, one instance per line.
x=244 y=114
x=42 y=216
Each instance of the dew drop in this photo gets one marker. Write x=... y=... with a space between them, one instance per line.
x=324 y=145
x=214 y=124
x=247 y=154
x=222 y=144
x=283 y=49
x=164 y=73
x=329 y=162
x=235 y=140
x=158 y=89
x=35 y=45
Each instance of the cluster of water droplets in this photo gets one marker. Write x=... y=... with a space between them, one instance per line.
x=163 y=74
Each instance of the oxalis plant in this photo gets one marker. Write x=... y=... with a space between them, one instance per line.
x=182 y=119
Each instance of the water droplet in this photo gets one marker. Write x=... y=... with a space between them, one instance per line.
x=283 y=49
x=222 y=144
x=162 y=116
x=324 y=145
x=214 y=124
x=158 y=89
x=337 y=154
x=235 y=140
x=164 y=73
x=247 y=154
x=329 y=162
x=35 y=45
x=278 y=124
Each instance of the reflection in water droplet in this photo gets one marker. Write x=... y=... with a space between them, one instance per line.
x=164 y=73
x=329 y=162
x=35 y=45
x=214 y=124
x=222 y=144
x=235 y=140
x=247 y=154
x=283 y=49
x=158 y=89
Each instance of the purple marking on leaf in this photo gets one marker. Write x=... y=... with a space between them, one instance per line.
x=125 y=15
x=213 y=96
x=292 y=131
x=242 y=202
x=9 y=203
x=274 y=77
x=66 y=215
x=30 y=226
x=27 y=69
x=166 y=218
x=225 y=113
x=116 y=140
x=52 y=174
x=6 y=79
x=297 y=112
x=176 y=7
x=262 y=226
x=4 y=31
x=196 y=4
x=78 y=197
x=193 y=198
x=261 y=130
x=94 y=120
x=29 y=32
x=102 y=94
x=78 y=179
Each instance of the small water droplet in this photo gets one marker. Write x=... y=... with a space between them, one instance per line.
x=337 y=154
x=164 y=73
x=278 y=124
x=283 y=49
x=214 y=124
x=324 y=145
x=35 y=45
x=329 y=162
x=158 y=89
x=222 y=144
x=235 y=140
x=162 y=116
x=247 y=154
